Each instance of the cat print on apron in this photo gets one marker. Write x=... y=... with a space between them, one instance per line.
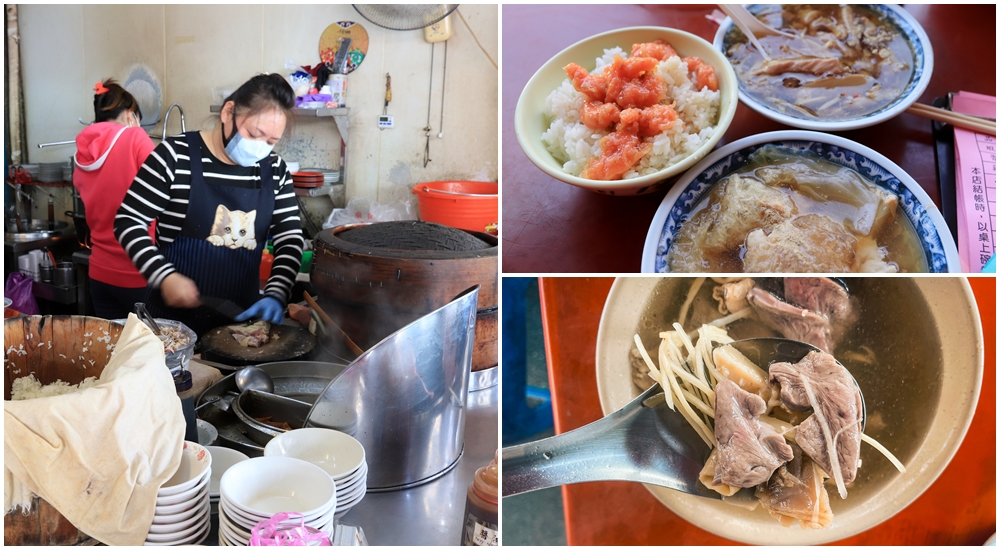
x=218 y=247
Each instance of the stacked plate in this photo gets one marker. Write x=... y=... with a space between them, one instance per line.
x=329 y=176
x=307 y=179
x=182 y=509
x=339 y=455
x=49 y=172
x=254 y=490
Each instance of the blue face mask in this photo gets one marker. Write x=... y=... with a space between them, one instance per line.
x=246 y=152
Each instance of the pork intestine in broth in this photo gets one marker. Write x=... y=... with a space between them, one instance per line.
x=843 y=62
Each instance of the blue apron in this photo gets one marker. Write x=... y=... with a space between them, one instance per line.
x=214 y=248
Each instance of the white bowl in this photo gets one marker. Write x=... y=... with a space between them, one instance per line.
x=338 y=454
x=271 y=484
x=195 y=462
x=207 y=433
x=923 y=66
x=234 y=528
x=358 y=475
x=196 y=538
x=351 y=484
x=222 y=459
x=352 y=500
x=530 y=123
x=179 y=535
x=176 y=517
x=347 y=491
x=940 y=251
x=953 y=323
x=346 y=496
x=172 y=527
x=246 y=522
x=249 y=518
x=186 y=496
x=231 y=534
x=186 y=505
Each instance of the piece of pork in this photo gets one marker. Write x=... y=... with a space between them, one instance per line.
x=819 y=381
x=795 y=493
x=746 y=204
x=792 y=322
x=812 y=243
x=808 y=65
x=748 y=451
x=732 y=296
x=821 y=295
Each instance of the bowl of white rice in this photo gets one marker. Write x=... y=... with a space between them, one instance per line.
x=547 y=118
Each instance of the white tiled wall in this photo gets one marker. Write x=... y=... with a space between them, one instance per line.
x=193 y=48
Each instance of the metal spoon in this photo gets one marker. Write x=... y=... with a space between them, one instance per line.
x=644 y=441
x=253 y=378
x=219 y=402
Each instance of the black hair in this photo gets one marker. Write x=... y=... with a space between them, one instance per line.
x=261 y=93
x=111 y=104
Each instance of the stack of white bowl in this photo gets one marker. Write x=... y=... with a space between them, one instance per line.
x=338 y=454
x=223 y=458
x=182 y=509
x=254 y=490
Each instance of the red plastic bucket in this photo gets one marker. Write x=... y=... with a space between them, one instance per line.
x=468 y=205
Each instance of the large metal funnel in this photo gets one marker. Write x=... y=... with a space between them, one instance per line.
x=404 y=399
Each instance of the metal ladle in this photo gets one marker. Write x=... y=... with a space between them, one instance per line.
x=644 y=441
x=253 y=378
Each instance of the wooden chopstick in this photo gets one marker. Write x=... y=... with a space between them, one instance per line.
x=976 y=124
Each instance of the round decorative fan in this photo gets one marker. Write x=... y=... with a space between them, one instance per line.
x=405 y=17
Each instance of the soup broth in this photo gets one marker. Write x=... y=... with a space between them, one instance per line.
x=892 y=352
x=843 y=63
x=778 y=185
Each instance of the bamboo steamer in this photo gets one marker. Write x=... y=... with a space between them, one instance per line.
x=372 y=291
x=26 y=342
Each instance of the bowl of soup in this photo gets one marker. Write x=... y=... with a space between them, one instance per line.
x=836 y=67
x=913 y=345
x=798 y=202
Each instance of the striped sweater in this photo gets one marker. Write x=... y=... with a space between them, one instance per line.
x=160 y=191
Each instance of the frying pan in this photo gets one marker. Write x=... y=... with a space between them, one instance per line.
x=288 y=341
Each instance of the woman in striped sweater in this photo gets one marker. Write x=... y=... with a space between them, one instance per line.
x=213 y=216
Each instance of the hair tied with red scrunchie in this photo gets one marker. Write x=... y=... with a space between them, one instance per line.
x=99 y=88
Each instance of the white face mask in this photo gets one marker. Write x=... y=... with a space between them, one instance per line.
x=243 y=151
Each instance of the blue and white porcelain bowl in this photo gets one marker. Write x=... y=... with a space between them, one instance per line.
x=940 y=251
x=923 y=67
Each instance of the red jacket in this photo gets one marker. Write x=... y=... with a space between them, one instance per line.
x=108 y=156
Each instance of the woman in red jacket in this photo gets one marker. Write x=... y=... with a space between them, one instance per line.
x=108 y=156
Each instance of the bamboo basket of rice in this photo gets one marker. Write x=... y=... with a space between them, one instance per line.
x=67 y=348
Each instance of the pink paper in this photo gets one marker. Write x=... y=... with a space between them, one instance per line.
x=975 y=184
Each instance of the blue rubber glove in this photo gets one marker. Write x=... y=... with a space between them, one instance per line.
x=267 y=308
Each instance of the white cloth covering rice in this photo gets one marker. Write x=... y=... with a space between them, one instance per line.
x=573 y=143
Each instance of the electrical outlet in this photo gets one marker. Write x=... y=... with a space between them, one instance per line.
x=385 y=121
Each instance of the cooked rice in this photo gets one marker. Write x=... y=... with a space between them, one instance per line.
x=573 y=144
x=28 y=387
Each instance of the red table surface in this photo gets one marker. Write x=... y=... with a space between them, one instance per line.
x=552 y=227
x=959 y=508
